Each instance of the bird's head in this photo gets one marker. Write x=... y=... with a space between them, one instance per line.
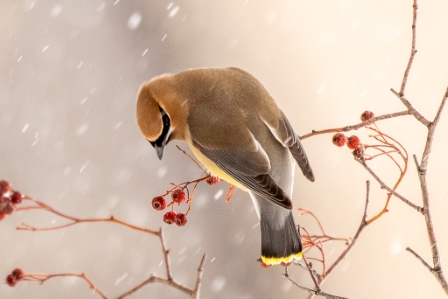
x=160 y=115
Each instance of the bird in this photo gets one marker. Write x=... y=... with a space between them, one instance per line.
x=235 y=129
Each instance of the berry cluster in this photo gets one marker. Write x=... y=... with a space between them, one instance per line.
x=340 y=139
x=8 y=199
x=353 y=141
x=177 y=196
x=15 y=276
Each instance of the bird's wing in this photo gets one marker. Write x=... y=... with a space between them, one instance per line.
x=233 y=148
x=284 y=133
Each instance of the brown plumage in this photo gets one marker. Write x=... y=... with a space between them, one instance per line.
x=235 y=128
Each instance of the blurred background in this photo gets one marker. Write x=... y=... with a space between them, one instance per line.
x=69 y=75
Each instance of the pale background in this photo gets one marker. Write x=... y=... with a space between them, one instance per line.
x=69 y=74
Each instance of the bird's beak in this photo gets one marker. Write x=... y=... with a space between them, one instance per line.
x=159 y=150
x=159 y=146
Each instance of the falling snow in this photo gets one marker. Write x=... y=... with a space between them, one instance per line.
x=218 y=194
x=218 y=284
x=121 y=278
x=82 y=129
x=161 y=172
x=56 y=11
x=25 y=127
x=134 y=20
x=173 y=12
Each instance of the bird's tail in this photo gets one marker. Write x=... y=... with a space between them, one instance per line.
x=280 y=238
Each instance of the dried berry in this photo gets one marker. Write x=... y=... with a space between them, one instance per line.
x=7 y=207
x=169 y=217
x=353 y=142
x=5 y=187
x=178 y=195
x=180 y=219
x=10 y=280
x=158 y=203
x=366 y=115
x=17 y=273
x=16 y=197
x=339 y=139
x=357 y=153
x=212 y=180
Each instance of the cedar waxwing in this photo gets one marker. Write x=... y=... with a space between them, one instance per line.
x=237 y=131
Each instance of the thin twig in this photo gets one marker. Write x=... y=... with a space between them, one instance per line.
x=362 y=225
x=313 y=292
x=420 y=258
x=311 y=274
x=44 y=277
x=75 y=220
x=165 y=256
x=192 y=159
x=357 y=126
x=384 y=186
x=431 y=130
x=153 y=279
x=413 y=49
x=196 y=291
x=169 y=281
x=421 y=170
x=411 y=109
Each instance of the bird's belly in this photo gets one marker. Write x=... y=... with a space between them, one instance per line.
x=214 y=169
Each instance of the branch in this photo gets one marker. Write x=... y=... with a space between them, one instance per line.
x=74 y=220
x=362 y=225
x=419 y=258
x=169 y=281
x=421 y=170
x=313 y=292
x=411 y=109
x=194 y=293
x=357 y=126
x=384 y=186
x=44 y=277
x=413 y=50
x=431 y=129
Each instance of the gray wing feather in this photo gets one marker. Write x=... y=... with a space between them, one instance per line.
x=260 y=182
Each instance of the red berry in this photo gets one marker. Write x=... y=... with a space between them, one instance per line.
x=2 y=215
x=180 y=219
x=16 y=197
x=10 y=280
x=4 y=187
x=17 y=273
x=353 y=142
x=212 y=180
x=169 y=217
x=339 y=139
x=7 y=207
x=158 y=203
x=178 y=195
x=366 y=115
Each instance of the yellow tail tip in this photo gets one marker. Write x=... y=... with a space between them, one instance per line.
x=271 y=261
